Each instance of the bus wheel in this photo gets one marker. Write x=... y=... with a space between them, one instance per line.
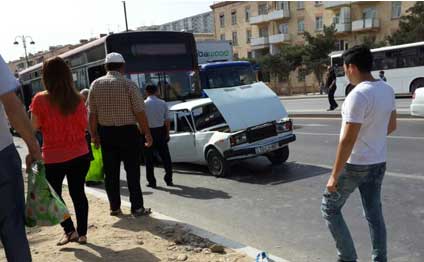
x=349 y=88
x=419 y=82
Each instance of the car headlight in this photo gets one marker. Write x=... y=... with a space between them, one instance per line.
x=284 y=126
x=238 y=139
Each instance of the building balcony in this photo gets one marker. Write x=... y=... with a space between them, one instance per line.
x=278 y=14
x=260 y=41
x=336 y=4
x=368 y=24
x=259 y=19
x=279 y=38
x=344 y=28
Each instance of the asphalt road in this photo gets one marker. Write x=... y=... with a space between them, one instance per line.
x=277 y=209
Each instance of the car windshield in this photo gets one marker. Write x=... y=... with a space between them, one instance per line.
x=207 y=116
x=230 y=76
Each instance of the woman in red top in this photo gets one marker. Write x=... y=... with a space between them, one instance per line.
x=61 y=116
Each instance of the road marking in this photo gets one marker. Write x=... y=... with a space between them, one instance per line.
x=393 y=174
x=334 y=134
x=339 y=119
x=310 y=125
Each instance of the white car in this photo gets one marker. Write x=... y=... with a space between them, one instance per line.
x=417 y=105
x=233 y=123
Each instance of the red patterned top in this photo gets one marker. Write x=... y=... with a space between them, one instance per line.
x=63 y=136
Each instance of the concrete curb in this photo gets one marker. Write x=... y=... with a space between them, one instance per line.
x=337 y=115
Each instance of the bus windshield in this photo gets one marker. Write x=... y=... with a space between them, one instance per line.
x=230 y=76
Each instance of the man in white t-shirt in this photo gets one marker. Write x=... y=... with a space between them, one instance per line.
x=12 y=203
x=368 y=116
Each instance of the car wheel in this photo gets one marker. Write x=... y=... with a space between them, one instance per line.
x=279 y=156
x=217 y=165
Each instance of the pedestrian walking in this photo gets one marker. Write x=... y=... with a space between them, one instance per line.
x=331 y=87
x=382 y=77
x=12 y=204
x=159 y=124
x=116 y=106
x=61 y=116
x=368 y=116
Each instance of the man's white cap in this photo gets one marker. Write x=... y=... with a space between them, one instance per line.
x=114 y=58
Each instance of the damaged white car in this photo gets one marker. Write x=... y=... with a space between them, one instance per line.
x=233 y=123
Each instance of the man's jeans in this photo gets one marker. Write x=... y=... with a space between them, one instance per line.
x=368 y=178
x=12 y=205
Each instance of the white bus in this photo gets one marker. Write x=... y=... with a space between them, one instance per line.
x=403 y=67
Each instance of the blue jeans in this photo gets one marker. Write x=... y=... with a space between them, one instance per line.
x=12 y=206
x=368 y=178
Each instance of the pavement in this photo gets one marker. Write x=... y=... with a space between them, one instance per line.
x=317 y=105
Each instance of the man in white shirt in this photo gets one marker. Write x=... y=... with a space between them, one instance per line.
x=12 y=204
x=369 y=115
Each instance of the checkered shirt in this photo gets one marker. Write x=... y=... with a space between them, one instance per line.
x=115 y=100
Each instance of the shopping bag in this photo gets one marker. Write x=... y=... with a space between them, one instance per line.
x=43 y=206
x=95 y=172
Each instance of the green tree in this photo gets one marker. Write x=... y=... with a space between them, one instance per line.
x=411 y=26
x=370 y=42
x=317 y=49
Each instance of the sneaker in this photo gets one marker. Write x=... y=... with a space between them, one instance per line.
x=116 y=213
x=141 y=212
x=152 y=186
x=169 y=183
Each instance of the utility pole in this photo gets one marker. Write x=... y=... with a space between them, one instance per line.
x=23 y=39
x=125 y=13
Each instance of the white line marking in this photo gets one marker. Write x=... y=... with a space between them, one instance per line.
x=310 y=125
x=334 y=134
x=413 y=176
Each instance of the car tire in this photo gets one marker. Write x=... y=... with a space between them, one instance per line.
x=217 y=165
x=279 y=156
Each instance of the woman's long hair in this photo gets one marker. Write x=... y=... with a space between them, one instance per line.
x=57 y=80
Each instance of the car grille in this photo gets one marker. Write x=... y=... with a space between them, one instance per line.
x=261 y=132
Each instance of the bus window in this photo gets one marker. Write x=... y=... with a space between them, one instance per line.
x=230 y=76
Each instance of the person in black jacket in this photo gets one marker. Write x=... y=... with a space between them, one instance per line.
x=331 y=87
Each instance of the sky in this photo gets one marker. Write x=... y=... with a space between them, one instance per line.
x=60 y=22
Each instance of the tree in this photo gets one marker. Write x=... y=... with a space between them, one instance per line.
x=370 y=42
x=411 y=26
x=317 y=49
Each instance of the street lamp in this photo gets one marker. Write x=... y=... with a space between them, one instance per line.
x=125 y=14
x=24 y=43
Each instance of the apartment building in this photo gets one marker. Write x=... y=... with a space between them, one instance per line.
x=257 y=28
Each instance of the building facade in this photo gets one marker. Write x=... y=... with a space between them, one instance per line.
x=257 y=28
x=201 y=23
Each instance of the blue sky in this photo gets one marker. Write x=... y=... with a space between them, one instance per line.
x=53 y=22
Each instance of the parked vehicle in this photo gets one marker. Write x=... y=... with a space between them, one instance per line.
x=231 y=124
x=417 y=105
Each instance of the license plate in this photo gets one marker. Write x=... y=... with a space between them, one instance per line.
x=266 y=149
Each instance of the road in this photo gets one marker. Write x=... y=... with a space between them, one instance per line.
x=278 y=208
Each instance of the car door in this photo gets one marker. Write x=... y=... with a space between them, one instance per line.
x=182 y=144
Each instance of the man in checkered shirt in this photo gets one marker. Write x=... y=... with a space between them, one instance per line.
x=116 y=107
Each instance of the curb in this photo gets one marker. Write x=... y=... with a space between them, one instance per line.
x=238 y=247
x=338 y=115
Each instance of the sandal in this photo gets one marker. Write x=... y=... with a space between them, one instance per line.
x=82 y=240
x=68 y=237
x=141 y=212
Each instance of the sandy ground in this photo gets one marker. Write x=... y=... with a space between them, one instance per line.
x=143 y=239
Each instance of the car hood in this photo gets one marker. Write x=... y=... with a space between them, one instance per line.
x=247 y=106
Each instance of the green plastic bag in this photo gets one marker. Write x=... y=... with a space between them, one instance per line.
x=43 y=206
x=95 y=173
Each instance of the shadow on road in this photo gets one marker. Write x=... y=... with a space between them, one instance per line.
x=259 y=171
x=195 y=192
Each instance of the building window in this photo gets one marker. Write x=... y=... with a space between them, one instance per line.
x=262 y=9
x=301 y=26
x=222 y=37
x=396 y=9
x=222 y=20
x=235 y=40
x=318 y=23
x=236 y=56
x=233 y=17
x=369 y=13
x=301 y=75
x=336 y=19
x=342 y=45
x=300 y=5
x=282 y=5
x=247 y=13
x=263 y=32
x=283 y=28
x=248 y=36
x=249 y=54
x=318 y=3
